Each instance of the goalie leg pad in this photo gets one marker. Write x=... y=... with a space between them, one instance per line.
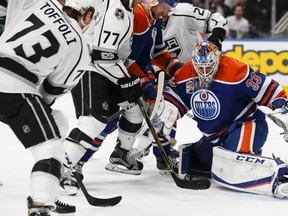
x=244 y=172
x=189 y=163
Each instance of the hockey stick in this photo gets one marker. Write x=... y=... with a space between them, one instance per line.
x=113 y=116
x=193 y=184
x=101 y=202
x=120 y=112
x=161 y=79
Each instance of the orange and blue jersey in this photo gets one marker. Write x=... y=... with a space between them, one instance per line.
x=147 y=37
x=147 y=40
x=232 y=96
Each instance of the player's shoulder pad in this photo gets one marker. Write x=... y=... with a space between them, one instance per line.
x=141 y=20
x=184 y=73
x=231 y=70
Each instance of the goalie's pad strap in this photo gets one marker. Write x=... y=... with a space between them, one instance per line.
x=244 y=172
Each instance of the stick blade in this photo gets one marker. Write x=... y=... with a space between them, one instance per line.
x=199 y=184
x=94 y=201
x=104 y=202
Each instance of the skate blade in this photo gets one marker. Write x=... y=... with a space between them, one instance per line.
x=164 y=172
x=121 y=169
x=53 y=213
x=68 y=190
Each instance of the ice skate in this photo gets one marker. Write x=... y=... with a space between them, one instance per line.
x=78 y=168
x=281 y=190
x=63 y=208
x=174 y=153
x=122 y=160
x=68 y=184
x=139 y=152
x=163 y=169
x=43 y=210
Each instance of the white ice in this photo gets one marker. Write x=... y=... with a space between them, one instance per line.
x=149 y=194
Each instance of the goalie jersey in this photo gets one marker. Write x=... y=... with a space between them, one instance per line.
x=234 y=95
x=40 y=42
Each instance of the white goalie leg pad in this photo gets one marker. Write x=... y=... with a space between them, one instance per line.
x=244 y=172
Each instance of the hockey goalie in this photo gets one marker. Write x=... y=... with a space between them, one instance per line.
x=224 y=95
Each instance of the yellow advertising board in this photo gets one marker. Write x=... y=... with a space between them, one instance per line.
x=269 y=57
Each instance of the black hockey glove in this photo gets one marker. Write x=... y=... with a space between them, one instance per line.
x=148 y=85
x=130 y=88
x=217 y=37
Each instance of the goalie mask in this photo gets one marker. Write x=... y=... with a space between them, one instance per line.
x=205 y=59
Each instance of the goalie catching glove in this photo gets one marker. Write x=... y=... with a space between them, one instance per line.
x=166 y=116
x=280 y=116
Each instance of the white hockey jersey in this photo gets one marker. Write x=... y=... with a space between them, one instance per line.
x=3 y=10
x=110 y=39
x=181 y=33
x=40 y=42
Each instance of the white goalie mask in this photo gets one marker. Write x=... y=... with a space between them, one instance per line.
x=79 y=5
x=206 y=58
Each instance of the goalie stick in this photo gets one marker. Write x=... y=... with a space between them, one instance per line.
x=101 y=202
x=188 y=184
x=161 y=79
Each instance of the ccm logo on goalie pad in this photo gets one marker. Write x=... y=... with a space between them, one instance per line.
x=250 y=159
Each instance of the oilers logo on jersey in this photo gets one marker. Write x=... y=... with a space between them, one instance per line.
x=205 y=104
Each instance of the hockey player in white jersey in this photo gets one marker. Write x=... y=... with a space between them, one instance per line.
x=3 y=9
x=181 y=29
x=104 y=85
x=40 y=53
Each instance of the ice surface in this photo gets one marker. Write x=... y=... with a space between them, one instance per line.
x=149 y=194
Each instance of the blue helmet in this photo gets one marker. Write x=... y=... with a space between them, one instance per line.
x=206 y=58
x=171 y=3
